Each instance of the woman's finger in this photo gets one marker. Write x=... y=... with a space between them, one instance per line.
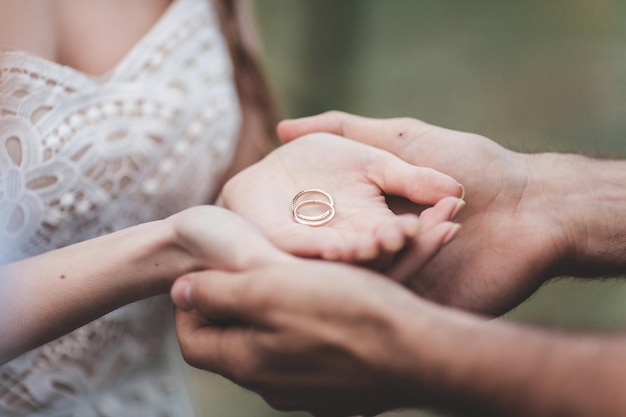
x=423 y=250
x=419 y=184
x=445 y=210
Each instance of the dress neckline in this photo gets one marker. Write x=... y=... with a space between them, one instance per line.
x=126 y=59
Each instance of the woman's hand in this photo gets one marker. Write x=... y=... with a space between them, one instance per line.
x=358 y=177
x=513 y=237
x=217 y=238
x=51 y=294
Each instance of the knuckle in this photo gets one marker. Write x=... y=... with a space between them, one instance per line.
x=242 y=375
x=190 y=355
x=246 y=369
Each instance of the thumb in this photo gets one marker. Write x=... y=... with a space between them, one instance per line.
x=220 y=296
x=180 y=294
x=374 y=132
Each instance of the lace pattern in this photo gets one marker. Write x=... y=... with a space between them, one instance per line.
x=83 y=156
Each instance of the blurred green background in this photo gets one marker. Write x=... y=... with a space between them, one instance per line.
x=533 y=75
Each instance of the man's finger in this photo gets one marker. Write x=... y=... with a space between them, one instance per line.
x=375 y=132
x=221 y=296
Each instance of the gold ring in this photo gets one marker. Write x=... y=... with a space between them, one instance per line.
x=311 y=191
x=313 y=220
x=320 y=219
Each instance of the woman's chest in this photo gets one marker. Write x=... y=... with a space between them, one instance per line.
x=91 y=37
x=80 y=156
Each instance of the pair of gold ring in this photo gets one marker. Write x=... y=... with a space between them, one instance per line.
x=321 y=211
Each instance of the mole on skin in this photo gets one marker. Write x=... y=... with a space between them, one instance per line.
x=62 y=277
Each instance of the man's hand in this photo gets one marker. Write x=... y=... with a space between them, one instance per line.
x=337 y=341
x=358 y=177
x=513 y=236
x=305 y=335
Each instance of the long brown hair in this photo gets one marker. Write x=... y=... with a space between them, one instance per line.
x=252 y=83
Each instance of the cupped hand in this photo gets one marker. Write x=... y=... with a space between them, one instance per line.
x=511 y=239
x=329 y=342
x=358 y=177
x=217 y=238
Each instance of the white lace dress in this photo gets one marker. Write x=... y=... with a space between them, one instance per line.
x=81 y=157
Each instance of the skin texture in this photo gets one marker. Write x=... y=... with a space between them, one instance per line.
x=90 y=37
x=511 y=240
x=52 y=294
x=358 y=177
x=336 y=340
x=49 y=295
x=288 y=331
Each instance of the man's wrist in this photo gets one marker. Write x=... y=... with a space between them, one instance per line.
x=586 y=199
x=429 y=364
x=462 y=363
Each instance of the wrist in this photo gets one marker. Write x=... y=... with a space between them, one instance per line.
x=424 y=363
x=433 y=366
x=160 y=257
x=481 y=367
x=68 y=287
x=586 y=200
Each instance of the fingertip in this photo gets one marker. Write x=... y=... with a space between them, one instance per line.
x=329 y=122
x=363 y=250
x=457 y=209
x=290 y=129
x=446 y=186
x=392 y=240
x=394 y=234
x=367 y=253
x=283 y=129
x=329 y=251
x=181 y=294
x=410 y=225
x=444 y=210
x=331 y=254
x=453 y=232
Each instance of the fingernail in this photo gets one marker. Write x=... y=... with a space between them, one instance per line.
x=459 y=206
x=454 y=230
x=462 y=191
x=181 y=294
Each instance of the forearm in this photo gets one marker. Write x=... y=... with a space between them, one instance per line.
x=49 y=295
x=588 y=198
x=497 y=368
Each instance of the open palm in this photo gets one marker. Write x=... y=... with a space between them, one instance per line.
x=358 y=177
x=510 y=238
